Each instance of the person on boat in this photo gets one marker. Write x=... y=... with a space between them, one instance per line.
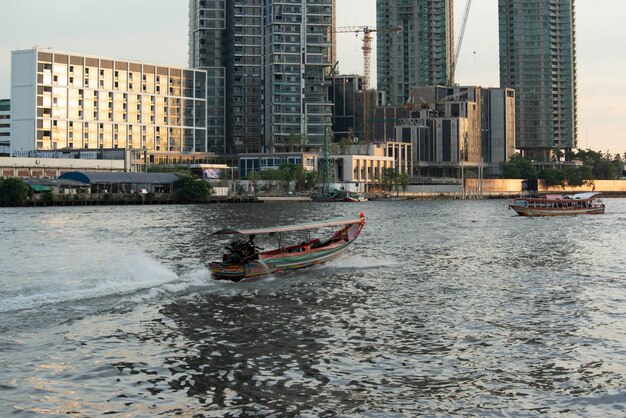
x=253 y=253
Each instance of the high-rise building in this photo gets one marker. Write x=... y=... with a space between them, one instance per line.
x=538 y=60
x=420 y=53
x=273 y=56
x=5 y=126
x=63 y=101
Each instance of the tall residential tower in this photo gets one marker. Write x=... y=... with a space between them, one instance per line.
x=268 y=60
x=419 y=54
x=538 y=60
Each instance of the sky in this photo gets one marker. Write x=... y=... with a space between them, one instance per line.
x=156 y=31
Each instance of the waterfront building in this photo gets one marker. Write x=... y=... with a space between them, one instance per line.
x=455 y=128
x=5 y=126
x=419 y=54
x=272 y=161
x=268 y=59
x=538 y=61
x=361 y=168
x=66 y=101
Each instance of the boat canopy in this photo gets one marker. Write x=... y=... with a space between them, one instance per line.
x=290 y=228
x=582 y=196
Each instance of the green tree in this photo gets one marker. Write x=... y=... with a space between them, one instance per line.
x=578 y=176
x=388 y=178
x=518 y=168
x=192 y=190
x=552 y=177
x=606 y=169
x=404 y=179
x=48 y=197
x=311 y=179
x=14 y=192
x=301 y=179
x=286 y=174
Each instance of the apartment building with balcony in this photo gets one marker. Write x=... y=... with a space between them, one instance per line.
x=64 y=101
x=538 y=61
x=273 y=56
x=5 y=126
x=415 y=42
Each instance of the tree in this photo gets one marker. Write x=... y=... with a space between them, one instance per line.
x=286 y=174
x=311 y=179
x=254 y=177
x=518 y=168
x=192 y=190
x=14 y=192
x=552 y=177
x=301 y=178
x=404 y=179
x=578 y=176
x=388 y=178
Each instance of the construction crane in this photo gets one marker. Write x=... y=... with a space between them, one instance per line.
x=367 y=44
x=459 y=42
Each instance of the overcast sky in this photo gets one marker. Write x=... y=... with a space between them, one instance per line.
x=156 y=31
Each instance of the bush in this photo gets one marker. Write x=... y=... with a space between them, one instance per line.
x=192 y=190
x=14 y=192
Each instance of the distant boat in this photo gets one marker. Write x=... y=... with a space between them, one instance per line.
x=242 y=259
x=355 y=197
x=554 y=205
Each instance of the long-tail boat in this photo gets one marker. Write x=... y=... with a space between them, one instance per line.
x=243 y=259
x=553 y=205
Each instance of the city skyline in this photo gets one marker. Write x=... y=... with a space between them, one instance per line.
x=154 y=32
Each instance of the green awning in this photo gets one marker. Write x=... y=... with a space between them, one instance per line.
x=40 y=188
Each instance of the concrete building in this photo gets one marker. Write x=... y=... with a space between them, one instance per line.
x=538 y=61
x=5 y=126
x=67 y=101
x=265 y=161
x=421 y=53
x=362 y=167
x=455 y=128
x=269 y=60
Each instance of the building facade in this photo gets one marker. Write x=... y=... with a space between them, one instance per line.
x=538 y=61
x=5 y=126
x=274 y=56
x=419 y=54
x=456 y=128
x=63 y=101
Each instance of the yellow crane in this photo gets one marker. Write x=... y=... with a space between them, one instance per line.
x=367 y=44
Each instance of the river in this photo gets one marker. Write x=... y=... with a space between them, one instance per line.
x=440 y=308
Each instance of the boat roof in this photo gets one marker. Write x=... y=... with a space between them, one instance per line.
x=552 y=197
x=290 y=228
x=579 y=196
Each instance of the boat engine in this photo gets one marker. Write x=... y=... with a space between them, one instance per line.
x=239 y=251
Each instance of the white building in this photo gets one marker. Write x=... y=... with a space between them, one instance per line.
x=62 y=101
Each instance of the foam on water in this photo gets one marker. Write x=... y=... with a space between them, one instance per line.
x=120 y=274
x=354 y=261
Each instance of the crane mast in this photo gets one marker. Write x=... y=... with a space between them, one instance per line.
x=459 y=42
x=367 y=44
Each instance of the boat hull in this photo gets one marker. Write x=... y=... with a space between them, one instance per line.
x=526 y=211
x=287 y=259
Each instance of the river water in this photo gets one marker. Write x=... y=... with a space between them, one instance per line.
x=448 y=308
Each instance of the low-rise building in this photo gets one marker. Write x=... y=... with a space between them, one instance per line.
x=262 y=162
